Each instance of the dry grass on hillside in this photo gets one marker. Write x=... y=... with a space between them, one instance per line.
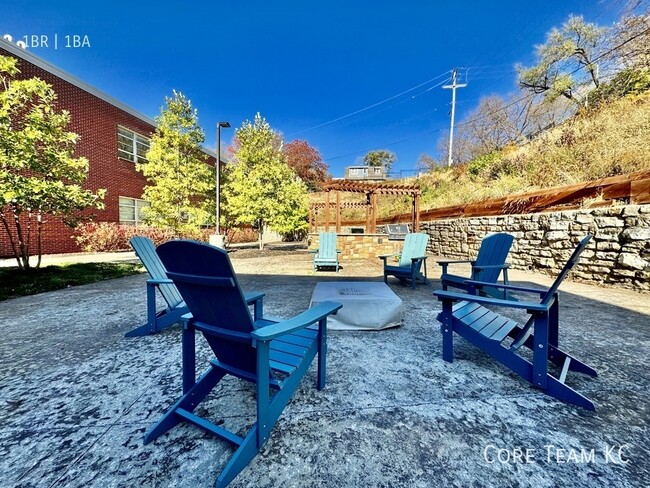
x=612 y=141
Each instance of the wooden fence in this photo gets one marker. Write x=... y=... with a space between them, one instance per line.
x=631 y=188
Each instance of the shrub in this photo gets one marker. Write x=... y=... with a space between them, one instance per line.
x=110 y=236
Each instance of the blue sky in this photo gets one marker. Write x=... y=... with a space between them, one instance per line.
x=304 y=65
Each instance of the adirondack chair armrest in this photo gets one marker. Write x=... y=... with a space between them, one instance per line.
x=298 y=322
x=385 y=257
x=256 y=299
x=253 y=296
x=451 y=296
x=159 y=281
x=492 y=266
x=444 y=262
x=419 y=258
x=505 y=287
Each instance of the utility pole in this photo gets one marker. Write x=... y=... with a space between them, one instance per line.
x=453 y=87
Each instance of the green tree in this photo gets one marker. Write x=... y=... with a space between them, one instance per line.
x=39 y=174
x=380 y=158
x=261 y=189
x=567 y=61
x=181 y=183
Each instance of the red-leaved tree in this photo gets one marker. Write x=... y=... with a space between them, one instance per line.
x=307 y=163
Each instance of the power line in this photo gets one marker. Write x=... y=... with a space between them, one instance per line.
x=369 y=106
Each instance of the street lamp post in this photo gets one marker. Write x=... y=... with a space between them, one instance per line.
x=218 y=239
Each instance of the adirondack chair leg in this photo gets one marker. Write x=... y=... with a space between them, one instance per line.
x=558 y=357
x=242 y=457
x=189 y=356
x=562 y=392
x=554 y=322
x=187 y=402
x=263 y=373
x=540 y=351
x=322 y=353
x=447 y=329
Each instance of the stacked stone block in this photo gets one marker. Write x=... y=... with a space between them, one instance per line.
x=618 y=254
x=361 y=246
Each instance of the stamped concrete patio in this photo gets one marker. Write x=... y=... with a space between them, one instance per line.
x=76 y=396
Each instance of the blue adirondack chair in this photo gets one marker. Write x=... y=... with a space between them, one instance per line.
x=327 y=255
x=490 y=332
x=176 y=308
x=487 y=267
x=273 y=355
x=411 y=260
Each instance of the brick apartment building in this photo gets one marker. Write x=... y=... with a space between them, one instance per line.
x=113 y=137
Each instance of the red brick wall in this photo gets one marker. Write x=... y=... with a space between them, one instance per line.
x=96 y=121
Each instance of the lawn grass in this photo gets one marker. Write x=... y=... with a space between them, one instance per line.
x=14 y=283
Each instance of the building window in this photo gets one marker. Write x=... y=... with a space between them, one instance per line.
x=131 y=210
x=358 y=171
x=377 y=170
x=131 y=146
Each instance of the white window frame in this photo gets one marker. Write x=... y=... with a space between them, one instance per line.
x=137 y=145
x=137 y=204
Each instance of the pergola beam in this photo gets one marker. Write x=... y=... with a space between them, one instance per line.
x=370 y=190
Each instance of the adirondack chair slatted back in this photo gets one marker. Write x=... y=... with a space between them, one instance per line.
x=415 y=245
x=494 y=250
x=573 y=260
x=327 y=245
x=146 y=251
x=208 y=284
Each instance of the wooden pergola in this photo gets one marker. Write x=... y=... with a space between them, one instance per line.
x=371 y=191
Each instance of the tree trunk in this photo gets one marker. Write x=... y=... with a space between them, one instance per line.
x=11 y=241
x=39 y=234
x=260 y=232
x=22 y=246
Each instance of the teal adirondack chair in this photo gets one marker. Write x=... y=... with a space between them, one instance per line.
x=273 y=355
x=487 y=267
x=327 y=255
x=501 y=338
x=411 y=261
x=156 y=321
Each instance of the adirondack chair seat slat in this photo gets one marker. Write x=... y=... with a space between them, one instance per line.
x=287 y=358
x=469 y=317
x=487 y=267
x=273 y=355
x=412 y=260
x=289 y=348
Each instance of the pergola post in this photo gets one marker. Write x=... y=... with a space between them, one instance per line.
x=338 y=212
x=327 y=212
x=416 y=227
x=368 y=209
x=373 y=228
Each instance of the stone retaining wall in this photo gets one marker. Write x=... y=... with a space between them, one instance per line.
x=618 y=254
